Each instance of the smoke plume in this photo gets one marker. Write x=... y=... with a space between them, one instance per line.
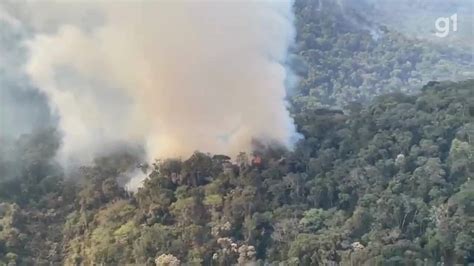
x=174 y=76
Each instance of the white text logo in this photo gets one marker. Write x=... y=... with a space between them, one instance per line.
x=443 y=25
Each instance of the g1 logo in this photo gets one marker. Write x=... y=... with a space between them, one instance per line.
x=443 y=25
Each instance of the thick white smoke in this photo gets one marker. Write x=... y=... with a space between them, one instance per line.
x=177 y=76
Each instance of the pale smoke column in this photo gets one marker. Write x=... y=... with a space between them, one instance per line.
x=175 y=76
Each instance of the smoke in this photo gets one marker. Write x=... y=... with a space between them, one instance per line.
x=22 y=109
x=174 y=76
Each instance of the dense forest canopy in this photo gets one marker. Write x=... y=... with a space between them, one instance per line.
x=383 y=173
x=344 y=57
x=388 y=183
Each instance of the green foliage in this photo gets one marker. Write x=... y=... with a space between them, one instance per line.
x=387 y=183
x=342 y=57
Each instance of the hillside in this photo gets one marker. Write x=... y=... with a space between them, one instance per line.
x=343 y=56
x=389 y=183
x=382 y=173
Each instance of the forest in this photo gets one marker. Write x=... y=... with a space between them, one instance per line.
x=382 y=175
x=341 y=57
x=385 y=184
